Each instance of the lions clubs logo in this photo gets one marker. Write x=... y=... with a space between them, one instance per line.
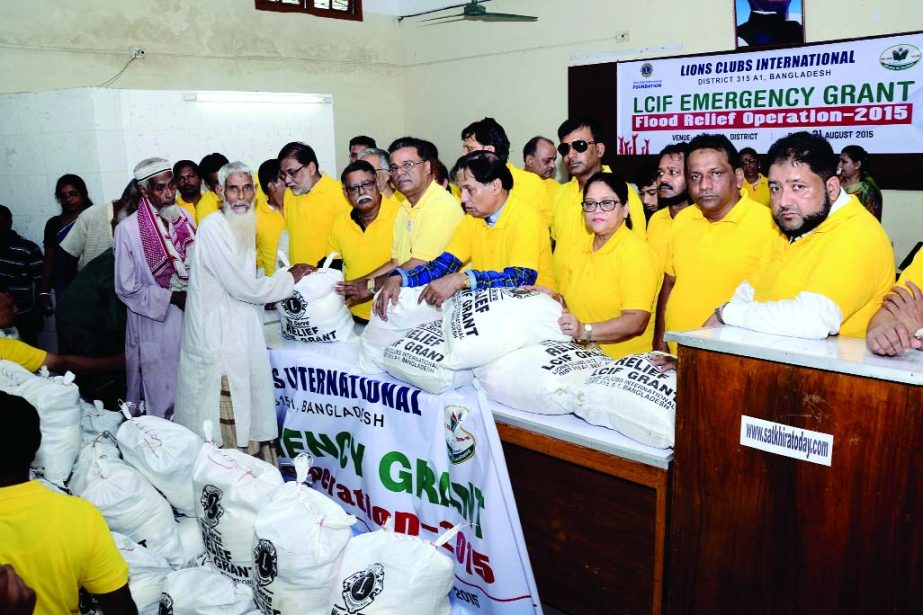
x=360 y=589
x=265 y=562
x=211 y=504
x=295 y=306
x=166 y=604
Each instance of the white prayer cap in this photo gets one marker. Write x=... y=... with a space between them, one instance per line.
x=149 y=167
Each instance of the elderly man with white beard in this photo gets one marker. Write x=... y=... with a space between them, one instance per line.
x=225 y=376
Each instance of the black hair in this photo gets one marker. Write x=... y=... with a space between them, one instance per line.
x=77 y=182
x=485 y=167
x=302 y=152
x=804 y=147
x=858 y=154
x=715 y=142
x=573 y=123
x=5 y=214
x=368 y=142
x=489 y=132
x=748 y=150
x=648 y=174
x=531 y=146
x=211 y=163
x=425 y=149
x=179 y=164
x=440 y=172
x=267 y=173
x=618 y=185
x=674 y=149
x=22 y=433
x=357 y=165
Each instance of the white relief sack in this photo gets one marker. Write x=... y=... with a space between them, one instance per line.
x=164 y=452
x=132 y=506
x=204 y=591
x=231 y=487
x=57 y=400
x=190 y=537
x=403 y=316
x=299 y=538
x=384 y=572
x=481 y=326
x=634 y=397
x=543 y=378
x=147 y=571
x=314 y=312
x=96 y=420
x=419 y=359
x=104 y=445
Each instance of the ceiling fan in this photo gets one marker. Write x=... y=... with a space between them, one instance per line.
x=471 y=11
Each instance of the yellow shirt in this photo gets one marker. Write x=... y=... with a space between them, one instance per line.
x=622 y=275
x=569 y=229
x=913 y=273
x=519 y=238
x=848 y=259
x=19 y=352
x=709 y=260
x=309 y=218
x=529 y=188
x=207 y=205
x=58 y=544
x=552 y=188
x=658 y=233
x=189 y=207
x=269 y=226
x=758 y=192
x=423 y=230
x=364 y=251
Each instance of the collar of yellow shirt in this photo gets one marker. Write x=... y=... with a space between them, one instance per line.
x=734 y=216
x=610 y=246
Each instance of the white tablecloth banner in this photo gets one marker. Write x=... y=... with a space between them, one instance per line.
x=386 y=450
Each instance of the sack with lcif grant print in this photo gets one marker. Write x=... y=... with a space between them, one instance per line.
x=481 y=326
x=403 y=316
x=419 y=358
x=204 y=591
x=633 y=396
x=314 y=312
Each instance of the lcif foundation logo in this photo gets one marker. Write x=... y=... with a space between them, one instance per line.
x=361 y=589
x=460 y=443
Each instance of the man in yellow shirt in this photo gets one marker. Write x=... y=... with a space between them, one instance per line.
x=428 y=215
x=188 y=185
x=898 y=324
x=210 y=201
x=270 y=217
x=714 y=245
x=672 y=197
x=58 y=544
x=363 y=236
x=539 y=156
x=358 y=144
x=487 y=134
x=830 y=275
x=755 y=184
x=312 y=203
x=503 y=239
x=381 y=162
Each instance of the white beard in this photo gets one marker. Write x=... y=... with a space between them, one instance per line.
x=243 y=226
x=171 y=213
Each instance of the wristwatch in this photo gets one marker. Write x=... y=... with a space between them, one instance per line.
x=919 y=334
x=588 y=331
x=370 y=285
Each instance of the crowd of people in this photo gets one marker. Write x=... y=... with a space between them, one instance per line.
x=158 y=295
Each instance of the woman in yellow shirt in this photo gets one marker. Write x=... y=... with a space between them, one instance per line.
x=609 y=286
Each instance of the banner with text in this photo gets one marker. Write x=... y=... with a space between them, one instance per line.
x=867 y=92
x=384 y=450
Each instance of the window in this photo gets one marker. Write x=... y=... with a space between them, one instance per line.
x=338 y=9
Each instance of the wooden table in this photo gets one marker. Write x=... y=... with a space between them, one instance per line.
x=753 y=531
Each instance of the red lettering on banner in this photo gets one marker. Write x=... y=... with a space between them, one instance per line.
x=804 y=117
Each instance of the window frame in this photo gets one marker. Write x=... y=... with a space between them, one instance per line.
x=306 y=6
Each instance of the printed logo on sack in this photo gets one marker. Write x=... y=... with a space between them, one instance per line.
x=460 y=443
x=647 y=69
x=900 y=57
x=361 y=588
x=265 y=562
x=166 y=604
x=211 y=504
x=295 y=306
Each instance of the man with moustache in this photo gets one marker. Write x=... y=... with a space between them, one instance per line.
x=153 y=252
x=225 y=376
x=830 y=275
x=715 y=244
x=755 y=185
x=381 y=162
x=672 y=197
x=362 y=237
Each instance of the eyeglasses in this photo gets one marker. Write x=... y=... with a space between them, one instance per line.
x=404 y=167
x=365 y=186
x=605 y=205
x=291 y=173
x=579 y=146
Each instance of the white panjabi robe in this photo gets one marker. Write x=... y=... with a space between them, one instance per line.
x=223 y=336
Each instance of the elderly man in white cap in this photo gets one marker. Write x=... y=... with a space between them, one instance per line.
x=153 y=251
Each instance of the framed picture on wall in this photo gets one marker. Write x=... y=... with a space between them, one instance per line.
x=767 y=23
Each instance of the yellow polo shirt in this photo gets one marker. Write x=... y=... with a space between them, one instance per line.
x=269 y=226
x=189 y=207
x=58 y=544
x=709 y=260
x=529 y=188
x=848 y=258
x=423 y=230
x=363 y=251
x=22 y=353
x=207 y=205
x=309 y=218
x=622 y=275
x=758 y=192
x=913 y=273
x=519 y=238
x=552 y=188
x=658 y=233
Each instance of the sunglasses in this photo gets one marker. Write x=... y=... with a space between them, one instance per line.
x=579 y=146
